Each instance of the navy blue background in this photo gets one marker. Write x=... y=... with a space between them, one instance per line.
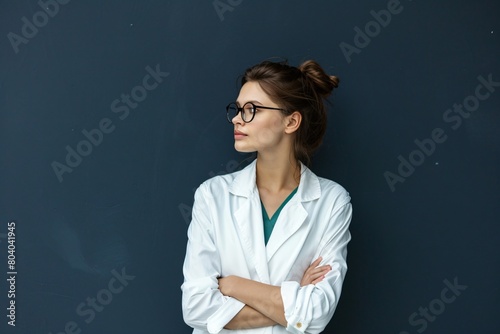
x=126 y=206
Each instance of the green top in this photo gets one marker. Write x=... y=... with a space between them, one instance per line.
x=270 y=222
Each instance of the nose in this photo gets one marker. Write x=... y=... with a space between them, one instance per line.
x=237 y=119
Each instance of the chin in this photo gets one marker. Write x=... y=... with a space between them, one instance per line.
x=243 y=149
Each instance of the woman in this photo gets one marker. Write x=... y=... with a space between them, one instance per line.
x=267 y=244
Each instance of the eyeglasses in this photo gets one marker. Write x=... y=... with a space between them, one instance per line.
x=247 y=111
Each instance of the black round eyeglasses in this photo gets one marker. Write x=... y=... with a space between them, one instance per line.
x=247 y=111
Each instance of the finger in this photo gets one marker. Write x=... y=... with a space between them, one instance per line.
x=314 y=265
x=319 y=279
x=316 y=262
x=312 y=277
x=316 y=273
x=324 y=269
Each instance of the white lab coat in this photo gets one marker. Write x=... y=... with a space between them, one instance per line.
x=226 y=237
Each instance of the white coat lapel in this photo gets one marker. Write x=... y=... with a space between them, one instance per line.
x=251 y=232
x=289 y=221
x=248 y=217
x=294 y=214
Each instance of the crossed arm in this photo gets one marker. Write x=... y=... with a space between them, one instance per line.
x=210 y=302
x=263 y=302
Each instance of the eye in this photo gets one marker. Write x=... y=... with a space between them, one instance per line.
x=248 y=108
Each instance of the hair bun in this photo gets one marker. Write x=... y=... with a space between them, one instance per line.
x=323 y=83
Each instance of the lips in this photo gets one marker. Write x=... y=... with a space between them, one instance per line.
x=238 y=133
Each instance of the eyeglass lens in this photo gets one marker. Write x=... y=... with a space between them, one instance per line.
x=246 y=114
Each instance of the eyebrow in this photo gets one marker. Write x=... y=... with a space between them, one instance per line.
x=253 y=101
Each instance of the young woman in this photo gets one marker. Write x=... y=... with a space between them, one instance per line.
x=266 y=248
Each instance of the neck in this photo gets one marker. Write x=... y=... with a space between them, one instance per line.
x=277 y=173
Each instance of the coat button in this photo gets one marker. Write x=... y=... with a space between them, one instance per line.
x=298 y=325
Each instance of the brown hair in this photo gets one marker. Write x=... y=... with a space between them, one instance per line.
x=303 y=89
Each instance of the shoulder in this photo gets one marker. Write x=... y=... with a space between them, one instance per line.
x=216 y=184
x=219 y=184
x=332 y=188
x=332 y=192
x=335 y=202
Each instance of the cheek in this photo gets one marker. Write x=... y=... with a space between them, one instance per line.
x=265 y=135
x=270 y=131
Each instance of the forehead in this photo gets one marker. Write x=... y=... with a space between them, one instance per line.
x=252 y=92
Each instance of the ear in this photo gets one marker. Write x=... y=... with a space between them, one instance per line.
x=292 y=122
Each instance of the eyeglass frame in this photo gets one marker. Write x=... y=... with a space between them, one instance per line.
x=240 y=110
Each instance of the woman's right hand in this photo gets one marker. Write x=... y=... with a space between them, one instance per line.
x=315 y=274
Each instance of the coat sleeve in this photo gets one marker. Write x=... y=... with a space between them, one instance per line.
x=203 y=305
x=308 y=309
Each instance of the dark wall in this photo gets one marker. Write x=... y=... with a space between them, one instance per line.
x=100 y=223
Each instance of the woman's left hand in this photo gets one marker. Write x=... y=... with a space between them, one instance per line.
x=315 y=273
x=226 y=283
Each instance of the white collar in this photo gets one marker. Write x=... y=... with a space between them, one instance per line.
x=244 y=183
